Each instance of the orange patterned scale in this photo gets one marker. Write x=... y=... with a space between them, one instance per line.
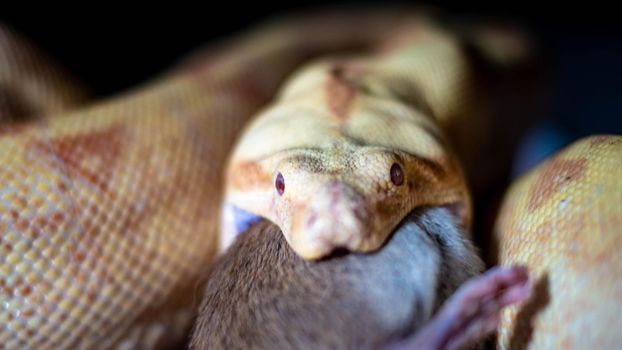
x=563 y=221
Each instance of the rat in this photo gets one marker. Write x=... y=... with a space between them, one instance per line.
x=421 y=290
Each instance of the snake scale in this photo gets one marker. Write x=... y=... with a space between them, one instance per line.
x=109 y=212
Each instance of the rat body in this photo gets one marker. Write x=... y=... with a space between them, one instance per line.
x=262 y=295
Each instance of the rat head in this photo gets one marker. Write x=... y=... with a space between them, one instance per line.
x=340 y=198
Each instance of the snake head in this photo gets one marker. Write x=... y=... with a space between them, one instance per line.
x=338 y=198
x=345 y=197
x=334 y=178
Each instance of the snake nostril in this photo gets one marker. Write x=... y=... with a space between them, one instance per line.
x=312 y=218
x=361 y=213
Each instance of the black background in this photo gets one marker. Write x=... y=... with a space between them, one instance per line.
x=114 y=46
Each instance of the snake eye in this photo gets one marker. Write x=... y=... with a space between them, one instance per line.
x=279 y=184
x=397 y=174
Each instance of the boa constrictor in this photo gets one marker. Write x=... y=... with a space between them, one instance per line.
x=109 y=213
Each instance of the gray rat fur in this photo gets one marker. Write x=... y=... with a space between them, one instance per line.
x=261 y=295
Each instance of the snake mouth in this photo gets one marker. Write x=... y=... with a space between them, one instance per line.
x=337 y=217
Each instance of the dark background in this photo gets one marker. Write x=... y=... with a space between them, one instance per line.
x=112 y=47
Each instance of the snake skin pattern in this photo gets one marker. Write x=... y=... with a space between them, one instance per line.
x=109 y=213
x=563 y=221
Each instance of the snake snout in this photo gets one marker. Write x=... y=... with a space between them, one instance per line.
x=337 y=217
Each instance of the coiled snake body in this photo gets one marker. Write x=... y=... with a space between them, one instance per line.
x=109 y=213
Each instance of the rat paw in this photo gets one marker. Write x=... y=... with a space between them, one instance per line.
x=473 y=312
